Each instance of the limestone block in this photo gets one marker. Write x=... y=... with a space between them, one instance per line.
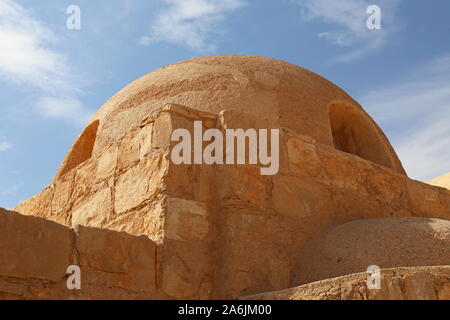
x=107 y=163
x=303 y=158
x=162 y=131
x=299 y=197
x=381 y=182
x=39 y=205
x=84 y=179
x=187 y=269
x=194 y=182
x=148 y=220
x=166 y=123
x=116 y=259
x=244 y=183
x=444 y=292
x=129 y=150
x=186 y=220
x=251 y=265
x=145 y=140
x=420 y=286
x=341 y=169
x=141 y=182
x=94 y=210
x=12 y=288
x=425 y=199
x=32 y=247
x=242 y=222
x=135 y=146
x=62 y=201
x=176 y=280
x=390 y=290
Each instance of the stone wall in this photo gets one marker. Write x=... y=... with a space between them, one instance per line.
x=225 y=230
x=35 y=254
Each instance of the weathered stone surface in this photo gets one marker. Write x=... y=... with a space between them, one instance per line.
x=35 y=254
x=39 y=205
x=62 y=200
x=221 y=231
x=94 y=210
x=32 y=247
x=141 y=182
x=396 y=284
x=426 y=199
x=194 y=260
x=130 y=265
x=393 y=242
x=107 y=163
x=299 y=197
x=303 y=158
x=186 y=220
x=148 y=220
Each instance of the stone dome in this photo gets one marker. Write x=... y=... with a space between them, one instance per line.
x=279 y=92
x=388 y=243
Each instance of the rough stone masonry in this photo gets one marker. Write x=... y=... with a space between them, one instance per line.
x=141 y=227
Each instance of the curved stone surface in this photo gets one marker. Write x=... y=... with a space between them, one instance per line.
x=417 y=283
x=442 y=181
x=392 y=242
x=277 y=92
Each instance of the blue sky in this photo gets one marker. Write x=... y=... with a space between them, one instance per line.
x=53 y=79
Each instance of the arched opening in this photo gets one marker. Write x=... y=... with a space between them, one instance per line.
x=82 y=149
x=355 y=132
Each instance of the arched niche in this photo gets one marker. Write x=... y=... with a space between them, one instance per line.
x=82 y=149
x=354 y=132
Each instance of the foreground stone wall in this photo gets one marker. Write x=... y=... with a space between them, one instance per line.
x=35 y=254
x=418 y=283
x=225 y=230
x=214 y=231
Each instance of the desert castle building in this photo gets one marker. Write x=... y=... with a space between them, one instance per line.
x=142 y=227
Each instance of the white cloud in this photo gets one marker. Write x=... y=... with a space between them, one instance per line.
x=417 y=113
x=63 y=108
x=190 y=22
x=348 y=18
x=26 y=56
x=4 y=145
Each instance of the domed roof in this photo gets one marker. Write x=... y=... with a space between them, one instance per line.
x=267 y=88
x=388 y=243
x=279 y=92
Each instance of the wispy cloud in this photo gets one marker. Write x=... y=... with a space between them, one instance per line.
x=4 y=145
x=13 y=190
x=347 y=18
x=416 y=113
x=26 y=56
x=190 y=22
x=63 y=108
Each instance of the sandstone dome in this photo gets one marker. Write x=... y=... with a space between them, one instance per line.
x=276 y=91
x=441 y=181
x=388 y=243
